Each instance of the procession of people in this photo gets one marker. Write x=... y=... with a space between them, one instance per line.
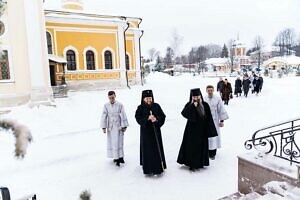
x=197 y=144
x=204 y=115
x=253 y=82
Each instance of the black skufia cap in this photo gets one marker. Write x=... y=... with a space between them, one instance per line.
x=196 y=92
x=147 y=93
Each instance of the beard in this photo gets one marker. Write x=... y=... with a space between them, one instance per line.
x=148 y=103
x=197 y=100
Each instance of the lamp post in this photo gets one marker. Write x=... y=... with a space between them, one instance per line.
x=142 y=70
x=232 y=55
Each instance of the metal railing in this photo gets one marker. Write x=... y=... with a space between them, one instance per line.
x=279 y=139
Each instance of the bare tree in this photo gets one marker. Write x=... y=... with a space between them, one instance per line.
x=184 y=59
x=202 y=53
x=285 y=40
x=192 y=56
x=258 y=45
x=152 y=53
x=176 y=42
x=168 y=60
x=214 y=50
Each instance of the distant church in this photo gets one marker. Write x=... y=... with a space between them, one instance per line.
x=41 y=48
x=239 y=54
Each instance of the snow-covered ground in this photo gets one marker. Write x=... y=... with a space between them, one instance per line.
x=68 y=154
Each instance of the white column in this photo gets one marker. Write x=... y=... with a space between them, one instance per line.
x=121 y=52
x=137 y=58
x=37 y=50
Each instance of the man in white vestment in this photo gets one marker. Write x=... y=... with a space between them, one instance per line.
x=114 y=123
x=219 y=114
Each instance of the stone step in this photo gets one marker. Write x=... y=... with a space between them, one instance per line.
x=234 y=196
x=253 y=196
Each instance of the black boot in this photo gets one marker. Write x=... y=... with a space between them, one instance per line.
x=117 y=162
x=121 y=160
x=212 y=154
x=192 y=169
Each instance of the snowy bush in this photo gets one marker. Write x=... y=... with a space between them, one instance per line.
x=85 y=195
x=21 y=133
x=2 y=6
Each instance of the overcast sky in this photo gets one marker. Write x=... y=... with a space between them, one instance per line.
x=201 y=21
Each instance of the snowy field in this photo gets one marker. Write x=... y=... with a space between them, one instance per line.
x=68 y=154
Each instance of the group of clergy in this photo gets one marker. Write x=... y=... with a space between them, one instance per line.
x=201 y=135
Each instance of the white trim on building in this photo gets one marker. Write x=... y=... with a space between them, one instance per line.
x=52 y=41
x=70 y=47
x=95 y=57
x=113 y=57
x=75 y=19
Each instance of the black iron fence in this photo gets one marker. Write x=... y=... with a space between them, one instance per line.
x=280 y=140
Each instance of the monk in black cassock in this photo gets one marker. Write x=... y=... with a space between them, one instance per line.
x=150 y=117
x=200 y=126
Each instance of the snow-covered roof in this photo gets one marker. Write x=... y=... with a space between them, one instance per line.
x=57 y=59
x=216 y=61
x=79 y=14
x=287 y=60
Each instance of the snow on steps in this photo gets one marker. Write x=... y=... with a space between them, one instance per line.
x=271 y=191
x=252 y=196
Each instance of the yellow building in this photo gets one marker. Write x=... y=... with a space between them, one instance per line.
x=87 y=50
x=93 y=46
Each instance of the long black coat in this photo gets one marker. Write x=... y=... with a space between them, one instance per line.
x=246 y=85
x=220 y=85
x=261 y=82
x=226 y=91
x=238 y=86
x=149 y=154
x=256 y=85
x=194 y=148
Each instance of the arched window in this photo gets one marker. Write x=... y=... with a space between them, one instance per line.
x=90 y=60
x=108 y=60
x=49 y=43
x=71 y=60
x=127 y=62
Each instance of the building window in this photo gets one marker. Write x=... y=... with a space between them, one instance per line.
x=71 y=60
x=4 y=66
x=127 y=62
x=49 y=43
x=90 y=60
x=108 y=60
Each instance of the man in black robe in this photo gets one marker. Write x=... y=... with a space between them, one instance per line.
x=150 y=117
x=200 y=126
